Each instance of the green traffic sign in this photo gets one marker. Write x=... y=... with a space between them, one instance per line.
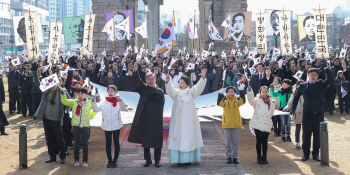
x=10 y=48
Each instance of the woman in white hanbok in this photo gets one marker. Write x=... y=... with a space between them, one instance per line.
x=185 y=136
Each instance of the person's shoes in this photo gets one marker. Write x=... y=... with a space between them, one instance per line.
x=114 y=163
x=284 y=139
x=4 y=133
x=63 y=161
x=147 y=163
x=316 y=158
x=109 y=164
x=260 y=160
x=289 y=139
x=71 y=149
x=157 y=164
x=276 y=132
x=347 y=113
x=50 y=160
x=340 y=113
x=89 y=141
x=298 y=146
x=67 y=153
x=235 y=161
x=80 y=149
x=34 y=118
x=76 y=163
x=11 y=112
x=331 y=112
x=305 y=158
x=85 y=164
x=24 y=115
x=264 y=160
x=229 y=160
x=279 y=132
x=19 y=112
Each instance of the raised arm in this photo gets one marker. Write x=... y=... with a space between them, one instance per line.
x=65 y=101
x=95 y=107
x=136 y=80
x=250 y=96
x=172 y=92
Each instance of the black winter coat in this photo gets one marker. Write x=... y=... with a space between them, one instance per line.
x=147 y=127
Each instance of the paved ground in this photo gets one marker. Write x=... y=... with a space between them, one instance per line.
x=213 y=157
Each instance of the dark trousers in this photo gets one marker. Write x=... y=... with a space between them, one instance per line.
x=311 y=126
x=276 y=120
x=108 y=135
x=14 y=98
x=341 y=103
x=53 y=131
x=84 y=134
x=147 y=154
x=36 y=99
x=261 y=141
x=297 y=132
x=26 y=101
x=67 y=130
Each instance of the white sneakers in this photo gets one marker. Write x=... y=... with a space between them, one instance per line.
x=76 y=163
x=85 y=164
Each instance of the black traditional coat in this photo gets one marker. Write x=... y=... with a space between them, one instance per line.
x=147 y=127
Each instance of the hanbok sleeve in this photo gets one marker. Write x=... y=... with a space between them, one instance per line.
x=198 y=88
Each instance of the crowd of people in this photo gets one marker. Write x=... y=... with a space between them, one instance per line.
x=269 y=84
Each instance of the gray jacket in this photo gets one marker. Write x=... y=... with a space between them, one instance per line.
x=41 y=109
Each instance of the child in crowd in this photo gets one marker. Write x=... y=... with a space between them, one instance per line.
x=342 y=88
x=264 y=107
x=276 y=118
x=298 y=114
x=231 y=120
x=81 y=115
x=111 y=121
x=283 y=97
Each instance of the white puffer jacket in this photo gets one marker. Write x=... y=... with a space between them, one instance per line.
x=111 y=117
x=261 y=119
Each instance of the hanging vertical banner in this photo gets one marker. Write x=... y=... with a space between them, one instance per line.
x=285 y=34
x=261 y=33
x=73 y=29
x=321 y=33
x=31 y=34
x=88 y=32
x=55 y=39
x=19 y=29
x=240 y=26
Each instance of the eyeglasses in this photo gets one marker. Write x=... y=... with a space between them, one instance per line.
x=313 y=75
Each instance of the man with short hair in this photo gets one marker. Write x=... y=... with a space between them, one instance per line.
x=25 y=88
x=219 y=69
x=13 y=78
x=255 y=81
x=147 y=127
x=314 y=107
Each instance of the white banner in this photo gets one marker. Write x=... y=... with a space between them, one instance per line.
x=261 y=33
x=88 y=33
x=20 y=30
x=31 y=34
x=285 y=34
x=55 y=39
x=321 y=33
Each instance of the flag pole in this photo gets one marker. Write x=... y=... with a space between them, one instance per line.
x=147 y=33
x=229 y=11
x=172 y=46
x=113 y=31
x=194 y=28
x=211 y=37
x=319 y=11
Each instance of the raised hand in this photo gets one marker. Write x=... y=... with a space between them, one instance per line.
x=221 y=90
x=167 y=78
x=136 y=67
x=241 y=87
x=62 y=92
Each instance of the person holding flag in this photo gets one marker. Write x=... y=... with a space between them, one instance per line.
x=167 y=37
x=341 y=85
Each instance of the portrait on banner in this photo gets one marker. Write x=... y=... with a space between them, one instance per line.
x=19 y=30
x=73 y=29
x=306 y=28
x=119 y=17
x=240 y=26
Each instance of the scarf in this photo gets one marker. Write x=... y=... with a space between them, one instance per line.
x=266 y=101
x=80 y=104
x=113 y=100
x=284 y=91
x=243 y=81
x=52 y=96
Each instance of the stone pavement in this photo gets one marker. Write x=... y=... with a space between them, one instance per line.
x=213 y=156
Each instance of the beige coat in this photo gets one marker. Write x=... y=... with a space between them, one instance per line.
x=298 y=111
x=261 y=119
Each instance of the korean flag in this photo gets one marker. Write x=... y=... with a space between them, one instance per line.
x=49 y=82
x=190 y=66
